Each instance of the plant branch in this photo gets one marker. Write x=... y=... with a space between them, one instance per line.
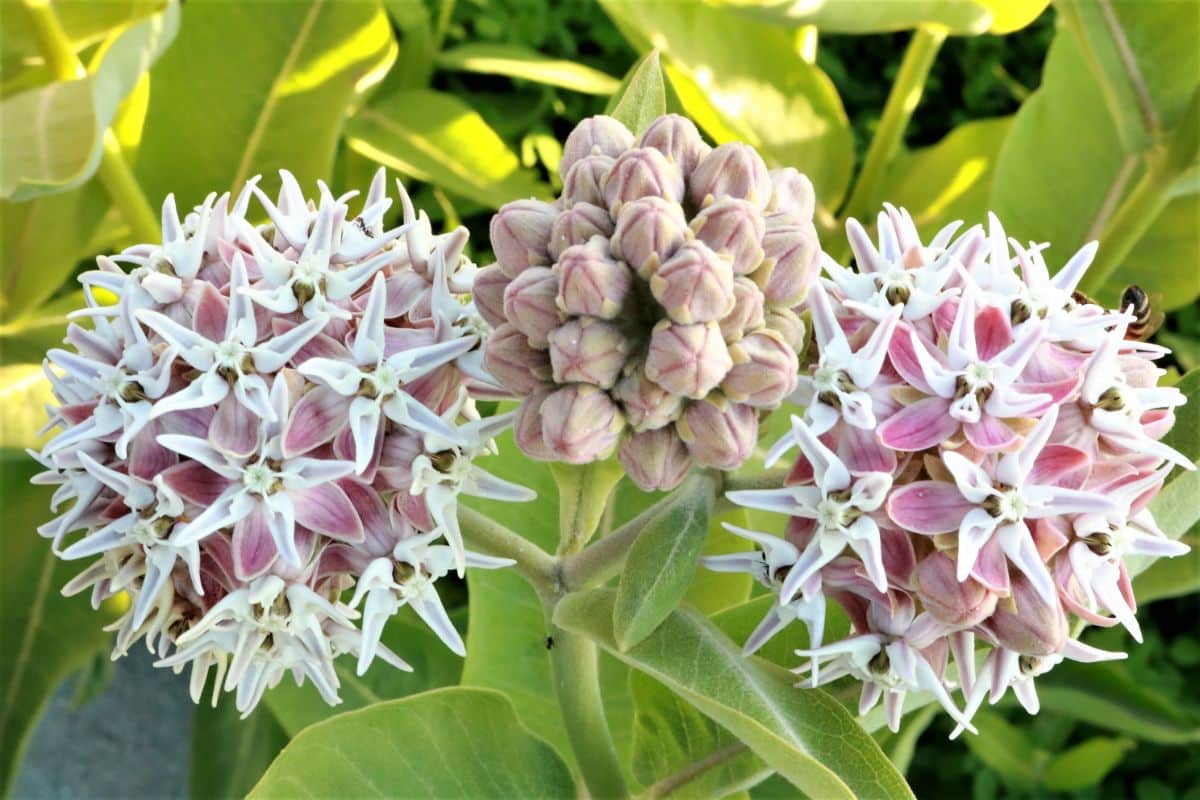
x=902 y=101
x=114 y=171
x=534 y=564
x=583 y=492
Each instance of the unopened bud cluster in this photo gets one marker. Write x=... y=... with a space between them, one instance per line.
x=978 y=449
x=653 y=306
x=265 y=418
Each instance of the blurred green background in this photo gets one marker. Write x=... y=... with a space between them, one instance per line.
x=1073 y=121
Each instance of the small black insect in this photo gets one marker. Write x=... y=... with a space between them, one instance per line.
x=549 y=642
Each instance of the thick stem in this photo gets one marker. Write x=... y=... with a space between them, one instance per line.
x=114 y=171
x=583 y=492
x=902 y=101
x=535 y=565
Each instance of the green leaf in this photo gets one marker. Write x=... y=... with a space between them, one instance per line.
x=454 y=742
x=252 y=88
x=1005 y=748
x=904 y=744
x=230 y=754
x=642 y=96
x=60 y=143
x=1175 y=508
x=43 y=636
x=949 y=180
x=1109 y=696
x=436 y=138
x=855 y=16
x=414 y=66
x=804 y=734
x=1086 y=764
x=434 y=666
x=673 y=741
x=661 y=563
x=84 y=24
x=518 y=61
x=1164 y=260
x=24 y=393
x=1171 y=577
x=742 y=79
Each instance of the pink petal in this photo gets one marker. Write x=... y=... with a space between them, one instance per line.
x=376 y=522
x=928 y=507
x=920 y=425
x=211 y=313
x=899 y=558
x=234 y=427
x=991 y=567
x=1061 y=465
x=147 y=457
x=253 y=548
x=326 y=509
x=319 y=416
x=195 y=482
x=990 y=434
x=993 y=332
x=860 y=451
x=903 y=355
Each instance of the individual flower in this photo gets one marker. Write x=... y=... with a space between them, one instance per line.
x=663 y=286
x=270 y=429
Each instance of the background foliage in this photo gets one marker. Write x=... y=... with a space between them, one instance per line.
x=1074 y=121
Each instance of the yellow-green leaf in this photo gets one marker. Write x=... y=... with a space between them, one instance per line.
x=517 y=61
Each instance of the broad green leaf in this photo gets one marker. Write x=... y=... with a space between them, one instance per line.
x=58 y=143
x=949 y=180
x=1108 y=696
x=856 y=16
x=673 y=741
x=414 y=66
x=642 y=96
x=454 y=742
x=518 y=61
x=252 y=88
x=1175 y=508
x=804 y=734
x=742 y=79
x=1086 y=764
x=709 y=591
x=24 y=393
x=739 y=621
x=1186 y=349
x=84 y=24
x=1164 y=261
x=436 y=138
x=661 y=563
x=1171 y=577
x=230 y=754
x=43 y=636
x=1005 y=748
x=434 y=666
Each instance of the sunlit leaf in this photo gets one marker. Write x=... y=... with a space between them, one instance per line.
x=517 y=61
x=853 y=16
x=1164 y=262
x=642 y=96
x=83 y=23
x=252 y=88
x=454 y=742
x=24 y=392
x=804 y=734
x=435 y=137
x=58 y=142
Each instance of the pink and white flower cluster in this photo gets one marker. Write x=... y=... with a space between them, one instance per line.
x=266 y=416
x=977 y=452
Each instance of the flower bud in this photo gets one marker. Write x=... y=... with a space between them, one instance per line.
x=510 y=359
x=964 y=604
x=718 y=433
x=528 y=423
x=733 y=229
x=590 y=281
x=520 y=233
x=747 y=313
x=792 y=193
x=642 y=172
x=529 y=303
x=676 y=138
x=598 y=135
x=488 y=293
x=577 y=225
x=647 y=405
x=588 y=350
x=655 y=460
x=688 y=360
x=694 y=285
x=1025 y=622
x=580 y=424
x=731 y=170
x=793 y=255
x=585 y=180
x=648 y=232
x=788 y=324
x=764 y=370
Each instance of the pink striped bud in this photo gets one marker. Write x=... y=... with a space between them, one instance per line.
x=960 y=604
x=731 y=170
x=647 y=405
x=577 y=225
x=676 y=138
x=598 y=135
x=793 y=255
x=585 y=181
x=488 y=293
x=1026 y=623
x=511 y=360
x=747 y=313
x=591 y=282
x=787 y=324
x=528 y=424
x=529 y=303
x=580 y=423
x=655 y=460
x=764 y=370
x=642 y=172
x=694 y=285
x=792 y=193
x=733 y=229
x=689 y=360
x=588 y=350
x=719 y=434
x=520 y=234
x=648 y=232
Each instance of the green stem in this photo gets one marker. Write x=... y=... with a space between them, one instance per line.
x=535 y=565
x=114 y=171
x=583 y=492
x=902 y=101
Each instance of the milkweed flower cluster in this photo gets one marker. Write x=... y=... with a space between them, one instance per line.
x=266 y=417
x=976 y=455
x=652 y=308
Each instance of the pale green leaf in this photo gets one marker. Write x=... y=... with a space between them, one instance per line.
x=43 y=636
x=642 y=96
x=454 y=742
x=230 y=754
x=436 y=138
x=1005 y=748
x=252 y=88
x=1086 y=764
x=1165 y=261
x=661 y=563
x=84 y=24
x=1175 y=508
x=804 y=734
x=742 y=79
x=856 y=16
x=517 y=61
x=52 y=137
x=1171 y=577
